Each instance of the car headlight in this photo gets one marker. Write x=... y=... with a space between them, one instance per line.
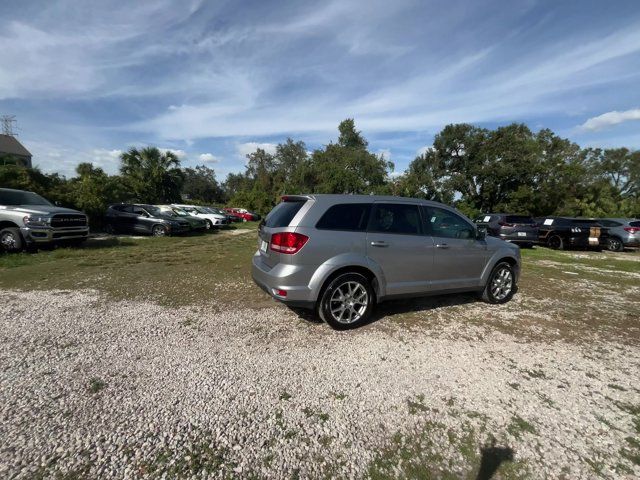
x=34 y=221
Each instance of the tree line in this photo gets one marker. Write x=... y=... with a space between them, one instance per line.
x=507 y=169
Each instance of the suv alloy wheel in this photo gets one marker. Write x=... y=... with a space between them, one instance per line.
x=501 y=284
x=347 y=302
x=158 y=231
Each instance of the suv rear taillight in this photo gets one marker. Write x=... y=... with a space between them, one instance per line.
x=288 y=242
x=632 y=230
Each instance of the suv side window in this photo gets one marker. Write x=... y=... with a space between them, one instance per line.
x=395 y=218
x=139 y=211
x=345 y=216
x=443 y=223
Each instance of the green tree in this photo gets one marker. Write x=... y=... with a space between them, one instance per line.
x=200 y=185
x=153 y=176
x=348 y=167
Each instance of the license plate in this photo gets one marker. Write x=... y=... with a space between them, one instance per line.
x=522 y=234
x=263 y=246
x=594 y=241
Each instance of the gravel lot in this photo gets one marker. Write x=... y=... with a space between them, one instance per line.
x=96 y=387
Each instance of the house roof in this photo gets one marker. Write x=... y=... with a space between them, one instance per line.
x=12 y=146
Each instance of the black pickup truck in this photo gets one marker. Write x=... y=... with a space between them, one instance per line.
x=565 y=232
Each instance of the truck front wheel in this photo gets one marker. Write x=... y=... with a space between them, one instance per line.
x=11 y=240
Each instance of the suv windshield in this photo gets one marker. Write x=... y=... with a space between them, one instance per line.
x=16 y=197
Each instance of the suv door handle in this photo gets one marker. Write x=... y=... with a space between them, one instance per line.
x=379 y=244
x=442 y=245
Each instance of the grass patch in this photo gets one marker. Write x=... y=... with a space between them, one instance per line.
x=417 y=406
x=96 y=384
x=170 y=270
x=519 y=425
x=418 y=456
x=284 y=395
x=201 y=458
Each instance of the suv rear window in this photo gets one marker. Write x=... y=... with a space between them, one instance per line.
x=283 y=213
x=634 y=224
x=345 y=216
x=519 y=219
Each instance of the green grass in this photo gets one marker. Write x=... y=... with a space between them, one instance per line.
x=519 y=425
x=170 y=271
x=417 y=456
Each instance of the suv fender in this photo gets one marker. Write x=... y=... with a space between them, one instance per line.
x=500 y=255
x=344 y=262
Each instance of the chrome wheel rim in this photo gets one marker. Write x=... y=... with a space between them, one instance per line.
x=502 y=283
x=8 y=241
x=158 y=231
x=614 y=244
x=348 y=302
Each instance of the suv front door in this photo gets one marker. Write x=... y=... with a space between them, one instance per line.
x=396 y=243
x=459 y=257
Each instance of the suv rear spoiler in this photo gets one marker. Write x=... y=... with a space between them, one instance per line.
x=296 y=198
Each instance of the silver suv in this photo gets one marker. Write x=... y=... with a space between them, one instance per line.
x=342 y=254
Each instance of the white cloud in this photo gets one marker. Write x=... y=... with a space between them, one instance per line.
x=423 y=150
x=610 y=119
x=245 y=149
x=181 y=154
x=386 y=153
x=208 y=158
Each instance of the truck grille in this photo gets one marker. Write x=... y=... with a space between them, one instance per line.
x=68 y=220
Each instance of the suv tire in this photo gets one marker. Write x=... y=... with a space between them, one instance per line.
x=11 y=240
x=615 y=244
x=158 y=231
x=501 y=285
x=347 y=301
x=556 y=242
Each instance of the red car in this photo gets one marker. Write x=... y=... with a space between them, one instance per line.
x=244 y=214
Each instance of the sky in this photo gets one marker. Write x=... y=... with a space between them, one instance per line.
x=214 y=80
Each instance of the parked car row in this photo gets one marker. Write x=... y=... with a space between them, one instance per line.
x=559 y=233
x=161 y=220
x=28 y=220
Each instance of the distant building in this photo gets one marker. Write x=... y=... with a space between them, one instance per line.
x=11 y=147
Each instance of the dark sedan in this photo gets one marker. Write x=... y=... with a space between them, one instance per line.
x=519 y=229
x=143 y=219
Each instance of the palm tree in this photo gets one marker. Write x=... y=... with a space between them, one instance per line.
x=152 y=175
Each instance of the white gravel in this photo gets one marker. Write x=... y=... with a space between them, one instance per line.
x=105 y=389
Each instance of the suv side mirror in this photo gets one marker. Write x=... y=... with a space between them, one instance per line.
x=481 y=233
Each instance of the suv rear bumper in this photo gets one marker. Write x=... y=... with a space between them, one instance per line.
x=51 y=235
x=294 y=279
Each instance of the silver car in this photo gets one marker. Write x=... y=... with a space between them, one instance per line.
x=623 y=233
x=343 y=254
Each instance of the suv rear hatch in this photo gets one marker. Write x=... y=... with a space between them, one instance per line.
x=280 y=221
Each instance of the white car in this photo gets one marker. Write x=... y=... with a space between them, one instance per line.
x=214 y=220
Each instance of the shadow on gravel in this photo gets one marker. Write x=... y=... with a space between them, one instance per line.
x=391 y=308
x=492 y=458
x=420 y=304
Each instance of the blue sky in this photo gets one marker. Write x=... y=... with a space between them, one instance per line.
x=213 y=80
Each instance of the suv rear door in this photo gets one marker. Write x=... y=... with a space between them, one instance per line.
x=396 y=243
x=459 y=258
